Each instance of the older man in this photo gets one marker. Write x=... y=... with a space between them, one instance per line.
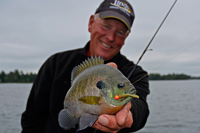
x=109 y=28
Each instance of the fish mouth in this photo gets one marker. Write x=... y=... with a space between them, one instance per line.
x=129 y=94
x=132 y=91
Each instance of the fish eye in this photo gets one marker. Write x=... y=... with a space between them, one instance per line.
x=121 y=85
x=100 y=84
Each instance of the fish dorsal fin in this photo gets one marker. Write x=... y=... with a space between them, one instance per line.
x=86 y=64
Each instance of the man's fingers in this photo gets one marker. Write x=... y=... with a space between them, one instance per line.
x=129 y=120
x=123 y=114
x=103 y=120
x=128 y=105
x=106 y=123
x=112 y=64
x=113 y=123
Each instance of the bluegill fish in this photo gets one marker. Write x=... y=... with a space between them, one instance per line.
x=96 y=89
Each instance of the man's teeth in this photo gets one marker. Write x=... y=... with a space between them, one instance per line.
x=107 y=46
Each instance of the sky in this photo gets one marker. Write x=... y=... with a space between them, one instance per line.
x=33 y=30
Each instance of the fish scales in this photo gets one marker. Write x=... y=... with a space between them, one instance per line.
x=84 y=86
x=93 y=91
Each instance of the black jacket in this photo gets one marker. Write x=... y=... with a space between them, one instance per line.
x=52 y=83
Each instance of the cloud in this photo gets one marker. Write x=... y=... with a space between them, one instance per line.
x=31 y=31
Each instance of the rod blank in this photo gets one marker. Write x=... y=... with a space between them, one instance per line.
x=151 y=40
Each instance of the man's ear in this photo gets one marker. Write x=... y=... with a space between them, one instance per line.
x=91 y=21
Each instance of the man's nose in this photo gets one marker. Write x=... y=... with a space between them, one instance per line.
x=110 y=36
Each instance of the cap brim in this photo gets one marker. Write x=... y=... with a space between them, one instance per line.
x=112 y=14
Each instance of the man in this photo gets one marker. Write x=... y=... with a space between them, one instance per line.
x=109 y=28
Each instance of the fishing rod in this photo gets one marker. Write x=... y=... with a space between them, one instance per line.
x=151 y=40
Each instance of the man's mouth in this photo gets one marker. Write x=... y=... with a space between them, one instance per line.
x=105 y=45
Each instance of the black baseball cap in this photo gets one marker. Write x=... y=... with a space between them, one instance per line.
x=118 y=9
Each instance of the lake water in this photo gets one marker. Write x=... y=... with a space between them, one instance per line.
x=174 y=107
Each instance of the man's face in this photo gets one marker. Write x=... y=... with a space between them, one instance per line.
x=107 y=37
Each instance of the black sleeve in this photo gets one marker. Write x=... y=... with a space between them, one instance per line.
x=33 y=118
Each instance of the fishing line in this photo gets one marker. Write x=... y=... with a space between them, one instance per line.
x=167 y=61
x=151 y=40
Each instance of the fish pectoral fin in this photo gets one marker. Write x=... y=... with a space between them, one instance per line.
x=66 y=120
x=90 y=100
x=87 y=120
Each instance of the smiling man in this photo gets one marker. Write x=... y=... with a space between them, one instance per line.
x=107 y=36
x=109 y=27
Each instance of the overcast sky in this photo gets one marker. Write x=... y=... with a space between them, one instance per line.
x=33 y=30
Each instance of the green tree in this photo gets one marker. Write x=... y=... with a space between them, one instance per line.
x=17 y=76
x=2 y=76
x=154 y=76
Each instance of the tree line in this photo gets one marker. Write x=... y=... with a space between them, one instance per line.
x=19 y=77
x=157 y=76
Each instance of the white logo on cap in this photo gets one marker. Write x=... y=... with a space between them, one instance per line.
x=121 y=5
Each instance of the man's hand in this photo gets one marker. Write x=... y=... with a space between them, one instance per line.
x=112 y=64
x=113 y=123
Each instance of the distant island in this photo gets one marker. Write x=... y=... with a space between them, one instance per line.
x=157 y=76
x=19 y=77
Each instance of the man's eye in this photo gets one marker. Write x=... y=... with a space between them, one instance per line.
x=106 y=26
x=120 y=33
